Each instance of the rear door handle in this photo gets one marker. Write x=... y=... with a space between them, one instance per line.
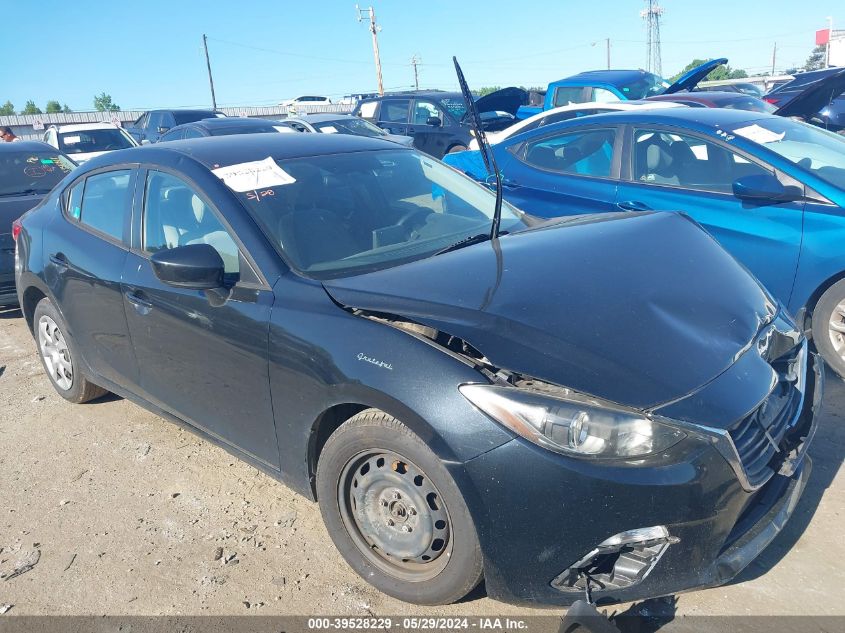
x=141 y=306
x=59 y=261
x=633 y=205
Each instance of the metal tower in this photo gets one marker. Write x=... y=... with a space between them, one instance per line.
x=651 y=14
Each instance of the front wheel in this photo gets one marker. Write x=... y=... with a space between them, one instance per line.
x=457 y=148
x=395 y=513
x=829 y=327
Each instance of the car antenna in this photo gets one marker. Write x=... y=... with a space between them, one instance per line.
x=484 y=148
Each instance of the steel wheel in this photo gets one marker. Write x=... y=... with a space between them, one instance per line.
x=836 y=329
x=395 y=515
x=55 y=352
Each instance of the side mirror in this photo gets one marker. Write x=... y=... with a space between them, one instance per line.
x=195 y=266
x=433 y=120
x=163 y=129
x=762 y=188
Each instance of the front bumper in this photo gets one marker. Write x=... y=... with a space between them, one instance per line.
x=544 y=516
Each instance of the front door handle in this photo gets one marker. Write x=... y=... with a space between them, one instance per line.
x=633 y=205
x=142 y=307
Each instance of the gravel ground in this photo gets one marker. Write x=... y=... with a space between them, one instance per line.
x=119 y=512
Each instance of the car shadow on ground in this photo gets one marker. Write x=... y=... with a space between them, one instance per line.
x=827 y=452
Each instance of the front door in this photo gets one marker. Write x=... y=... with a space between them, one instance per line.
x=564 y=173
x=433 y=139
x=202 y=356
x=86 y=248
x=681 y=172
x=393 y=116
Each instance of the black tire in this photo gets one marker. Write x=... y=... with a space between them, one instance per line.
x=423 y=498
x=71 y=384
x=825 y=339
x=456 y=148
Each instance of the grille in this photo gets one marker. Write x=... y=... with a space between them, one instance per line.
x=759 y=437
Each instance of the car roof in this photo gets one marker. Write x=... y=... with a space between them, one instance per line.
x=215 y=151
x=214 y=123
x=430 y=94
x=26 y=146
x=319 y=117
x=181 y=110
x=78 y=127
x=603 y=76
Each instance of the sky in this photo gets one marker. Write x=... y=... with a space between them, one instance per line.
x=149 y=53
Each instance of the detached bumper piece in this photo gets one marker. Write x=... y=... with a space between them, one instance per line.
x=618 y=562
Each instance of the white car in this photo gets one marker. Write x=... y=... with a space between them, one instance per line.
x=571 y=111
x=305 y=100
x=84 y=141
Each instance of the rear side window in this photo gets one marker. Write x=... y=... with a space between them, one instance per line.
x=586 y=153
x=568 y=94
x=105 y=201
x=394 y=111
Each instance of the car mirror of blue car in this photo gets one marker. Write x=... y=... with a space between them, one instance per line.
x=765 y=188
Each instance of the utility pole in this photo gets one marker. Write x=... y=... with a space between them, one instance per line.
x=414 y=61
x=652 y=14
x=208 y=64
x=829 y=37
x=608 y=53
x=774 y=57
x=374 y=29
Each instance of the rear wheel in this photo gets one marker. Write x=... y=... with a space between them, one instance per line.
x=457 y=148
x=59 y=356
x=395 y=513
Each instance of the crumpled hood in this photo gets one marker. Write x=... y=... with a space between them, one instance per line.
x=637 y=309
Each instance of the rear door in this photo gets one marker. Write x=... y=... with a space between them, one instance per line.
x=86 y=248
x=202 y=356
x=677 y=171
x=564 y=173
x=393 y=115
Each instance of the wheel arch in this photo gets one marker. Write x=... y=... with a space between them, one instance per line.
x=804 y=316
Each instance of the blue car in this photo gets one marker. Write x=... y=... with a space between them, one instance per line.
x=771 y=190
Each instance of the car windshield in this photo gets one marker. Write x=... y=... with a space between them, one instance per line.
x=84 y=141
x=349 y=125
x=344 y=214
x=646 y=85
x=31 y=172
x=749 y=103
x=817 y=151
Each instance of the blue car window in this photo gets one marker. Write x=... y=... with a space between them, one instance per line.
x=586 y=153
x=174 y=215
x=664 y=158
x=568 y=94
x=105 y=202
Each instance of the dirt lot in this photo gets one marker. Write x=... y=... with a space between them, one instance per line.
x=125 y=513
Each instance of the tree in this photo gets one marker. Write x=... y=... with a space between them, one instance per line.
x=103 y=103
x=7 y=109
x=31 y=108
x=817 y=58
x=486 y=90
x=66 y=108
x=52 y=107
x=718 y=74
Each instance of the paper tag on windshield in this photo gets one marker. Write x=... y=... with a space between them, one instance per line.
x=328 y=129
x=257 y=174
x=72 y=140
x=759 y=134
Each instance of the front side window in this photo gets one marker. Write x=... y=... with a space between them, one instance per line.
x=175 y=215
x=602 y=95
x=394 y=111
x=85 y=141
x=105 y=202
x=586 y=153
x=344 y=214
x=193 y=133
x=423 y=111
x=689 y=162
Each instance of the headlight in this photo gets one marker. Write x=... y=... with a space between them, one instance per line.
x=574 y=425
